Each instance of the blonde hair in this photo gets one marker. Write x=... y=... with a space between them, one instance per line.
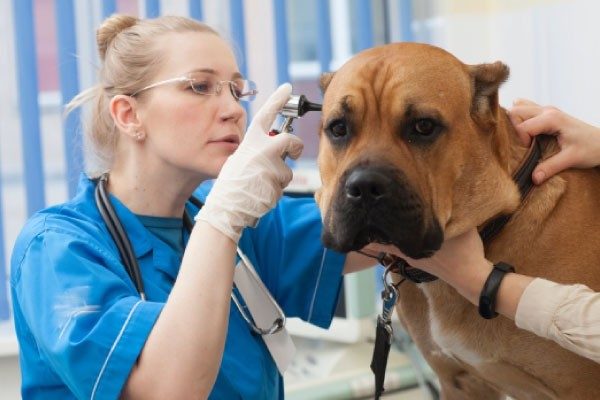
x=129 y=61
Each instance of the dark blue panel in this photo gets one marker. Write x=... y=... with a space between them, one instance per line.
x=281 y=41
x=406 y=18
x=364 y=24
x=324 y=35
x=152 y=8
x=196 y=10
x=69 y=87
x=236 y=8
x=28 y=104
x=109 y=7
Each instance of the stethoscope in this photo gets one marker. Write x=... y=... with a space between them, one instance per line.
x=119 y=236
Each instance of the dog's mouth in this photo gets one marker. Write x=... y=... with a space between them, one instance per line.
x=375 y=235
x=371 y=235
x=377 y=205
x=375 y=238
x=415 y=243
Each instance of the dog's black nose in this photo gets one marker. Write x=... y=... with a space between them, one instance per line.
x=367 y=185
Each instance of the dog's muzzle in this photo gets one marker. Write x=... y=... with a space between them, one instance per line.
x=376 y=204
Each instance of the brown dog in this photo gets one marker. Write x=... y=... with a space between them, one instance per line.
x=414 y=148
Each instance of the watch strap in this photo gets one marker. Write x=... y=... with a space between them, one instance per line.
x=487 y=298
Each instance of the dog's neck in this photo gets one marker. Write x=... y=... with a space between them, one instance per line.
x=485 y=190
x=508 y=147
x=540 y=202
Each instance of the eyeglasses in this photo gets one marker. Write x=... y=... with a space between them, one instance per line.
x=241 y=90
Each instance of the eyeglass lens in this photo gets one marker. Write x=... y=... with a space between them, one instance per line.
x=241 y=89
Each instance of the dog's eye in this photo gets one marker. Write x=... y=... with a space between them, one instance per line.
x=337 y=128
x=425 y=126
x=422 y=130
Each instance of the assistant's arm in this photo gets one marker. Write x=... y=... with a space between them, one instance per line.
x=357 y=262
x=566 y=314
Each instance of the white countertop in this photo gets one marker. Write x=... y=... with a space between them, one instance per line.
x=8 y=339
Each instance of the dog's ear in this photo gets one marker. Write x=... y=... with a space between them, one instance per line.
x=326 y=77
x=486 y=79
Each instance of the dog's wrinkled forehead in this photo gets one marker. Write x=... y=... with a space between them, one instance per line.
x=388 y=80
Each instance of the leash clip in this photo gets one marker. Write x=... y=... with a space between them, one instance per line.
x=389 y=296
x=383 y=333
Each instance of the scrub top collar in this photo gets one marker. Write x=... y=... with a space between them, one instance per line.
x=142 y=241
x=138 y=234
x=164 y=258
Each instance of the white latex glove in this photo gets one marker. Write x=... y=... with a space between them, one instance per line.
x=253 y=178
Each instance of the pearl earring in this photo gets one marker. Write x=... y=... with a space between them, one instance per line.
x=139 y=136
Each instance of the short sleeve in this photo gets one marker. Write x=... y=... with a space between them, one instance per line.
x=304 y=276
x=81 y=309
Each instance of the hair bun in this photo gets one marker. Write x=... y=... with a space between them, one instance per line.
x=110 y=28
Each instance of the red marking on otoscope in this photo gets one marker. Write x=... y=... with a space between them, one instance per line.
x=273 y=132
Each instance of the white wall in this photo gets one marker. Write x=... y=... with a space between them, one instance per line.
x=10 y=376
x=551 y=47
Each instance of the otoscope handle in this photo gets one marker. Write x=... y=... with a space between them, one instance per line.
x=296 y=106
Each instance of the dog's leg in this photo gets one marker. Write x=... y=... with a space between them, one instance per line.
x=456 y=381
x=465 y=385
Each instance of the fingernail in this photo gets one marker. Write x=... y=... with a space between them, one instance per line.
x=539 y=176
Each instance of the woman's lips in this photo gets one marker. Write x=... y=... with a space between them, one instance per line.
x=229 y=141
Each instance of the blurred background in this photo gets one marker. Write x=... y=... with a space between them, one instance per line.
x=49 y=55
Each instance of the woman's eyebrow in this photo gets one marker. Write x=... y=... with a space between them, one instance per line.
x=236 y=75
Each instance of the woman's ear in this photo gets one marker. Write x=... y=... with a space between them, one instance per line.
x=123 y=110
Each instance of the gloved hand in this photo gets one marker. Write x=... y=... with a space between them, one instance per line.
x=253 y=178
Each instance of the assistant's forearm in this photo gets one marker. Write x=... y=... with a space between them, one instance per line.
x=356 y=262
x=182 y=355
x=509 y=294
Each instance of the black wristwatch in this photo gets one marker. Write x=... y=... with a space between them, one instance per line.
x=487 y=298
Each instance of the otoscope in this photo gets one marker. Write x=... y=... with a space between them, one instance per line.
x=296 y=106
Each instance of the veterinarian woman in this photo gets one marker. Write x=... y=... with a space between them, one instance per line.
x=166 y=117
x=567 y=314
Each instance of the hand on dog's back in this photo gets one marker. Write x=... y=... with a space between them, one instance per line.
x=579 y=142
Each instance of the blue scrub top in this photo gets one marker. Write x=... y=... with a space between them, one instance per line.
x=81 y=324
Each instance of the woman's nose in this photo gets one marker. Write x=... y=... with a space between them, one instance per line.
x=231 y=108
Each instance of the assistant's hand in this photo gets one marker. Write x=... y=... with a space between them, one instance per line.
x=461 y=263
x=579 y=142
x=459 y=258
x=253 y=178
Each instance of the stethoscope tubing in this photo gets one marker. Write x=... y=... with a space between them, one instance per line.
x=121 y=239
x=119 y=236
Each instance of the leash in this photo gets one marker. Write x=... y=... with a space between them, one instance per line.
x=389 y=297
x=383 y=333
x=397 y=265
